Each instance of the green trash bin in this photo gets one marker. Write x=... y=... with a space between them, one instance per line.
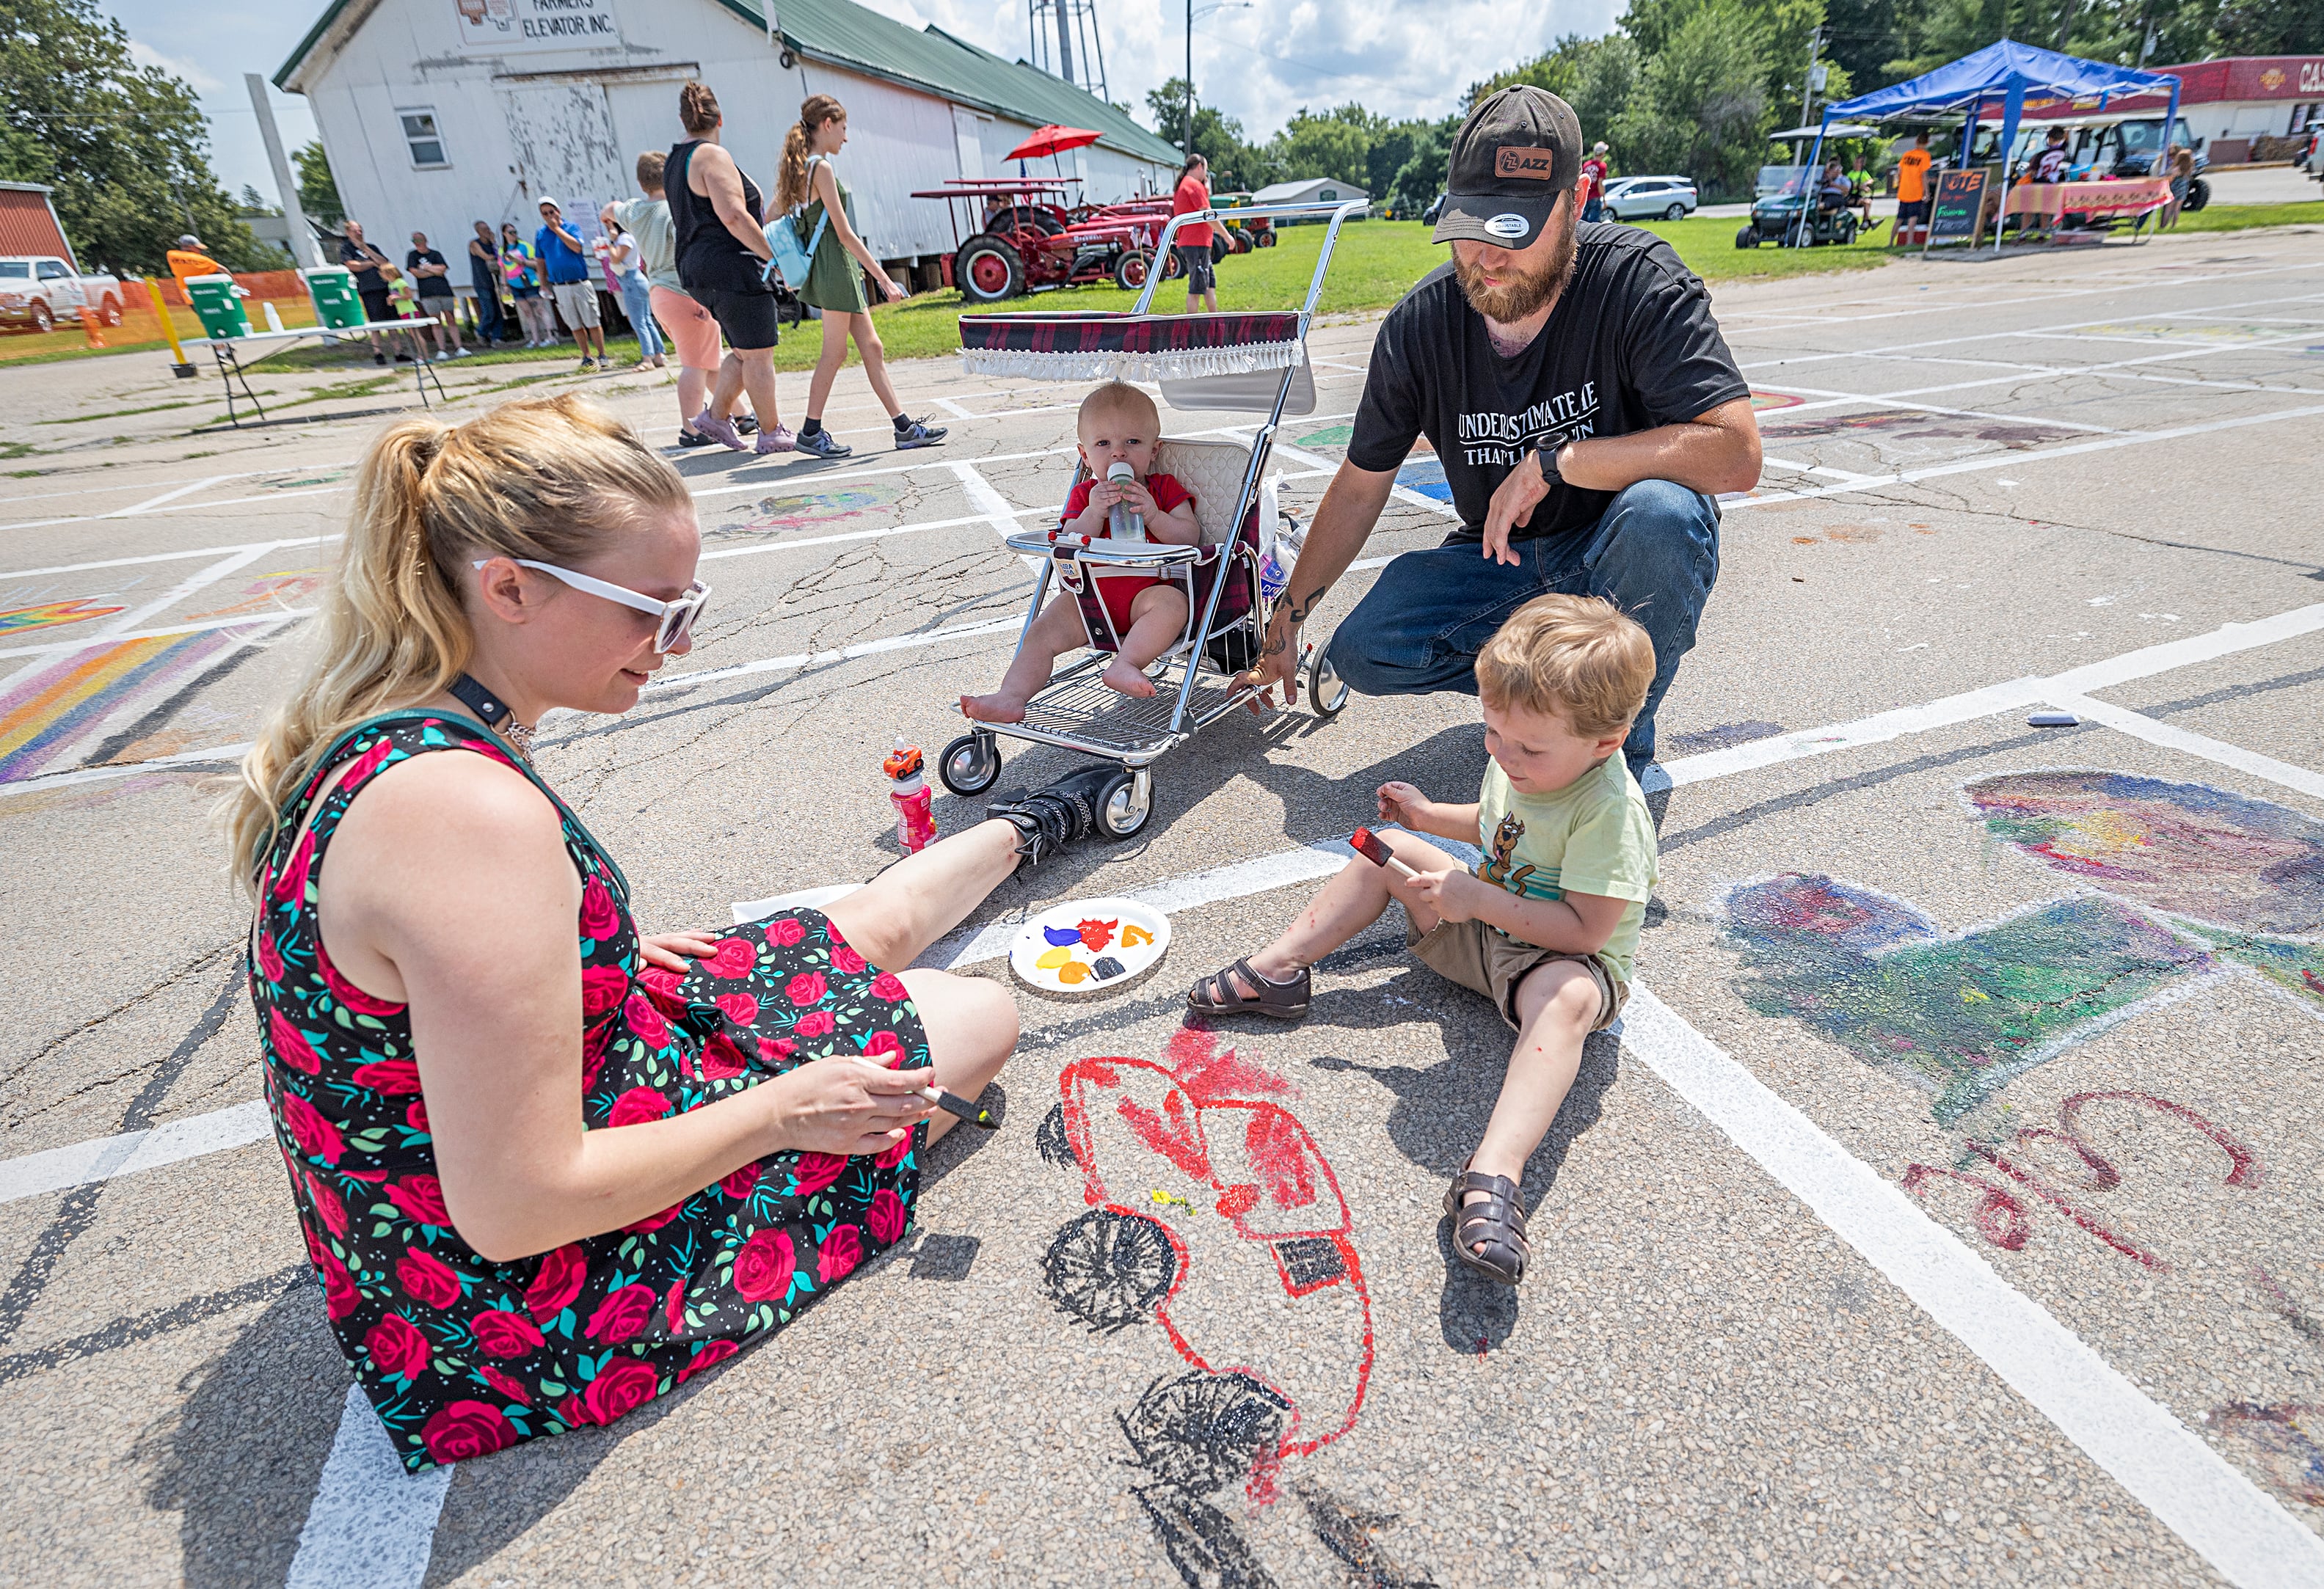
x=218 y=302
x=338 y=305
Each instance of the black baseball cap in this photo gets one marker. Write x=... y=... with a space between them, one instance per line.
x=1514 y=156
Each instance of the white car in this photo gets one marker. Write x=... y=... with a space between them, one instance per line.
x=38 y=290
x=1643 y=198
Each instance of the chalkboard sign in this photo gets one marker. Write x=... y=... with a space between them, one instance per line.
x=1960 y=198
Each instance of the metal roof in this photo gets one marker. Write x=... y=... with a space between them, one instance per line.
x=841 y=33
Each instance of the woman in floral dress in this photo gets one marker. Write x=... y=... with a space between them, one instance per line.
x=548 y=1168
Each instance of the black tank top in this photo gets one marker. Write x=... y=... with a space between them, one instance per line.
x=710 y=257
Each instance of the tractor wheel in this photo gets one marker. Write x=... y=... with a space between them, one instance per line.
x=1242 y=240
x=1267 y=238
x=1172 y=266
x=987 y=270
x=1220 y=247
x=1130 y=269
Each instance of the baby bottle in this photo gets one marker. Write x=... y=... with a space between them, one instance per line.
x=909 y=792
x=1123 y=522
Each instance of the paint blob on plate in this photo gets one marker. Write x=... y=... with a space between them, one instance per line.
x=1091 y=946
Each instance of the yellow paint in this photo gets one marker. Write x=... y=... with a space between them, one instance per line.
x=1054 y=959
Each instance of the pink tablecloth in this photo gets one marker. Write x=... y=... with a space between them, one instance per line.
x=2055 y=200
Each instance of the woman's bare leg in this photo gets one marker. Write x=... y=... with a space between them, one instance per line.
x=972 y=1027
x=827 y=363
x=892 y=920
x=874 y=354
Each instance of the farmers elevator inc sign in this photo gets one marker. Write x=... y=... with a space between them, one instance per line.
x=500 y=26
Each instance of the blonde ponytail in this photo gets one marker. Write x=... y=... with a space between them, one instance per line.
x=545 y=478
x=792 y=188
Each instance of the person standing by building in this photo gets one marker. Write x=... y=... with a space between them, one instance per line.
x=1912 y=188
x=521 y=268
x=565 y=263
x=693 y=330
x=370 y=268
x=624 y=263
x=484 y=280
x=834 y=282
x=433 y=278
x=1590 y=190
x=718 y=218
x=1192 y=242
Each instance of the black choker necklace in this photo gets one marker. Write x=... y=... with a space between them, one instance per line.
x=495 y=713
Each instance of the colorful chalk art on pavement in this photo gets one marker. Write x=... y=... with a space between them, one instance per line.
x=787 y=511
x=2183 y=881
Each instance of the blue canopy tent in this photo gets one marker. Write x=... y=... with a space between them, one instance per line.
x=2012 y=73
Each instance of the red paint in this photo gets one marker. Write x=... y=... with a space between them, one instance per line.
x=2088 y=1222
x=2243 y=1164
x=1280 y=1157
x=2000 y=1217
x=1172 y=1133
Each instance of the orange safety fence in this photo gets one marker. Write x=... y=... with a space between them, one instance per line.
x=274 y=284
x=134 y=322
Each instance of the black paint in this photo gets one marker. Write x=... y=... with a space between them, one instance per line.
x=1109 y=1270
x=1202 y=1431
x=1050 y=1140
x=1202 y=1541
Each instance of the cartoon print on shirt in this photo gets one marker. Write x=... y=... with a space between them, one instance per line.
x=1496 y=870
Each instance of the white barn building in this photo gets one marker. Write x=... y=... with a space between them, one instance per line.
x=439 y=112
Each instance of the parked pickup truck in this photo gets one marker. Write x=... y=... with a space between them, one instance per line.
x=37 y=290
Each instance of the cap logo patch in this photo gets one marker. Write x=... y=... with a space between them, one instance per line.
x=1508 y=226
x=1538 y=165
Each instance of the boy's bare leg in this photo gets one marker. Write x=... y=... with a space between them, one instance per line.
x=1352 y=901
x=1057 y=632
x=1558 y=1004
x=1157 y=616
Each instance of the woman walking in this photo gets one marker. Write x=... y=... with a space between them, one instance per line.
x=834 y=282
x=550 y=1167
x=1191 y=242
x=720 y=222
x=692 y=332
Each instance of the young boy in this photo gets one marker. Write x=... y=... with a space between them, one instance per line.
x=1547 y=925
x=1117 y=423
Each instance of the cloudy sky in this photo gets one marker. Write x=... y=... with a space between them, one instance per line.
x=1258 y=63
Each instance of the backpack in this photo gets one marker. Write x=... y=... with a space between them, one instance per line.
x=792 y=258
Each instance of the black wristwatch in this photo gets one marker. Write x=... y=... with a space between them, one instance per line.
x=1545 y=449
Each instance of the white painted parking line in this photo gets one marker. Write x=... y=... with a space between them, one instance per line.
x=372 y=1522
x=994 y=507
x=187 y=555
x=2171 y=737
x=2190 y=1488
x=150 y=503
x=806 y=659
x=108 y=1157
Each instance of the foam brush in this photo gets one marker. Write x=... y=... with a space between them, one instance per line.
x=1369 y=845
x=952 y=1104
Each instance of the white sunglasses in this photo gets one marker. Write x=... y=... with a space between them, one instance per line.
x=675 y=619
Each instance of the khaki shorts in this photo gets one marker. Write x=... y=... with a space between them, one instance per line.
x=577 y=302
x=1487 y=960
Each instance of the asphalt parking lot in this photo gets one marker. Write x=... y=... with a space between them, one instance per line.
x=1945 y=1209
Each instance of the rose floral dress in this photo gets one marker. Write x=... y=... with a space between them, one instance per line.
x=461 y=1356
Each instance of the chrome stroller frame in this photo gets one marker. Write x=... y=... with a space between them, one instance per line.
x=1075 y=711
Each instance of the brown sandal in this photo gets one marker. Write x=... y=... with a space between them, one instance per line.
x=1496 y=1222
x=1218 y=995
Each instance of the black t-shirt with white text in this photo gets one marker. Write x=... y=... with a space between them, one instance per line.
x=1630 y=345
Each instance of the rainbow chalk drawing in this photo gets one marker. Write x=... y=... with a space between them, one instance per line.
x=795 y=511
x=1329 y=436
x=2185 y=881
x=50 y=614
x=1212 y=1132
x=48 y=711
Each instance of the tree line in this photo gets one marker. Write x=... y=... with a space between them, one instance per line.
x=1694 y=86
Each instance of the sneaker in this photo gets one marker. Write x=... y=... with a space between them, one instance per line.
x=918 y=434
x=746 y=424
x=587 y=364
x=778 y=440
x=720 y=431
x=439 y=356
x=823 y=445
x=696 y=438
x=403 y=358
x=379 y=358
x=459 y=352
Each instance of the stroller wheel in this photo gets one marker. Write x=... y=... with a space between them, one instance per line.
x=971 y=764
x=1127 y=804
x=1327 y=692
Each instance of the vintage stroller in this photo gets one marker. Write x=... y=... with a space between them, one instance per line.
x=1251 y=362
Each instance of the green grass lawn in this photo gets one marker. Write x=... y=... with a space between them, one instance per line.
x=2242 y=217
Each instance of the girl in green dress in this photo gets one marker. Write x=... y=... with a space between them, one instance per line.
x=834 y=282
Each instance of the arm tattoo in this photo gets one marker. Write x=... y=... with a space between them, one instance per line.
x=1299 y=610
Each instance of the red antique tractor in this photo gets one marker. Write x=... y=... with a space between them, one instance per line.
x=1023 y=236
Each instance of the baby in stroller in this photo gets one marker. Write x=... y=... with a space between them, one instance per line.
x=1117 y=427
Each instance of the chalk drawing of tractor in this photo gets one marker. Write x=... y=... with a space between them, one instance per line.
x=1212 y=1213
x=2184 y=882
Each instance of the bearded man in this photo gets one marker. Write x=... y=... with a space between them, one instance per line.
x=1587 y=413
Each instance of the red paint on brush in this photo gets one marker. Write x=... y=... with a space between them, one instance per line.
x=1367 y=844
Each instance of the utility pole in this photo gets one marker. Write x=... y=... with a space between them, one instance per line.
x=302 y=235
x=1808 y=87
x=1190 y=79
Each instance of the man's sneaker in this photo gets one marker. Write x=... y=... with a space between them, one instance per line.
x=823 y=445
x=587 y=365
x=746 y=424
x=379 y=358
x=697 y=438
x=918 y=434
x=459 y=352
x=1047 y=820
x=440 y=355
x=720 y=431
x=778 y=440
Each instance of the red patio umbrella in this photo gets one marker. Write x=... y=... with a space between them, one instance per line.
x=1052 y=140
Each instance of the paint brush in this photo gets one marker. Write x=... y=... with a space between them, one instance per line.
x=1367 y=844
x=954 y=1105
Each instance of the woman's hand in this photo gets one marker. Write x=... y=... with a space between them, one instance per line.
x=845 y=1104
x=1404 y=805
x=675 y=951
x=895 y=293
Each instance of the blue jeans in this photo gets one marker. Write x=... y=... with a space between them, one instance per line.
x=1653 y=554
x=637 y=303
x=1595 y=210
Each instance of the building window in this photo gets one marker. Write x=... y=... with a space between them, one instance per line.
x=420 y=136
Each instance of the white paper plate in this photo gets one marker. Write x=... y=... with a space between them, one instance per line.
x=1094 y=959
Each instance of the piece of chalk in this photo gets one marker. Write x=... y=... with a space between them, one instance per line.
x=1369 y=845
x=2054 y=720
x=954 y=1105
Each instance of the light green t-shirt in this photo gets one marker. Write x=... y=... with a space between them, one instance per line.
x=1594 y=836
x=648 y=220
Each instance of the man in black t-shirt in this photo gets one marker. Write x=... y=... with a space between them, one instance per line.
x=1586 y=411
x=431 y=282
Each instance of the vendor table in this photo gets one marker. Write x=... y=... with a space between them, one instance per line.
x=262 y=345
x=2052 y=202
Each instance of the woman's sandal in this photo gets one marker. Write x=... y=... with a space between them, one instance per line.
x=1496 y=1222
x=1219 y=996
